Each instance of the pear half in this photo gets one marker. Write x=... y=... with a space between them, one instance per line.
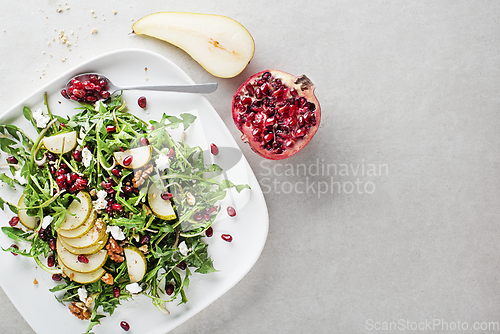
x=70 y=260
x=78 y=212
x=28 y=221
x=139 y=155
x=61 y=143
x=221 y=45
x=161 y=208
x=136 y=263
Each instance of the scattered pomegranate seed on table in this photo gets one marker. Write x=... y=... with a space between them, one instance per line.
x=12 y=160
x=125 y=326
x=57 y=277
x=227 y=237
x=214 y=149
x=231 y=211
x=142 y=102
x=209 y=232
x=51 y=261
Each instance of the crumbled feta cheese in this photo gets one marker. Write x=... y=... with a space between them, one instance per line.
x=40 y=119
x=100 y=203
x=183 y=248
x=82 y=294
x=162 y=162
x=46 y=221
x=116 y=232
x=133 y=288
x=86 y=157
x=19 y=178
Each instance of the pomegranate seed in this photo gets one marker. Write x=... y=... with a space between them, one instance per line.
x=77 y=84
x=250 y=89
x=51 y=261
x=12 y=160
x=206 y=216
x=116 y=172
x=125 y=326
x=111 y=129
x=128 y=160
x=231 y=211
x=214 y=149
x=51 y=156
x=167 y=196
x=116 y=292
x=93 y=78
x=106 y=185
x=182 y=265
x=127 y=189
x=300 y=132
x=57 y=277
x=227 y=237
x=171 y=153
x=42 y=234
x=79 y=93
x=117 y=207
x=145 y=239
x=15 y=247
x=266 y=76
x=64 y=93
x=52 y=170
x=52 y=243
x=209 y=232
x=169 y=289
x=14 y=221
x=144 y=141
x=83 y=259
x=105 y=94
x=142 y=102
x=198 y=217
x=268 y=137
x=77 y=155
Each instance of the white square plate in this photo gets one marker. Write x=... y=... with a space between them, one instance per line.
x=233 y=260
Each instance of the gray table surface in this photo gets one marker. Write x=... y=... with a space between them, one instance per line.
x=410 y=98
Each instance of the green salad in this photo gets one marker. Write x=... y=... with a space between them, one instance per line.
x=112 y=205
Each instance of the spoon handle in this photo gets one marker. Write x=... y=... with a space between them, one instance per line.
x=195 y=88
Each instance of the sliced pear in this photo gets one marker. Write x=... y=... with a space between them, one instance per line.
x=80 y=230
x=70 y=260
x=89 y=239
x=140 y=156
x=87 y=250
x=78 y=212
x=83 y=278
x=161 y=208
x=61 y=143
x=136 y=263
x=28 y=221
x=221 y=45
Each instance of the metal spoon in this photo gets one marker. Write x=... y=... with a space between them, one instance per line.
x=87 y=84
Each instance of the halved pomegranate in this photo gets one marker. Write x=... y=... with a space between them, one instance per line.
x=277 y=113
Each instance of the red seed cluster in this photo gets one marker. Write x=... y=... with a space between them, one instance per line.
x=205 y=214
x=71 y=181
x=90 y=90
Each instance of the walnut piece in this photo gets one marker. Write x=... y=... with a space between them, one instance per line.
x=115 y=252
x=108 y=279
x=141 y=175
x=79 y=310
x=190 y=198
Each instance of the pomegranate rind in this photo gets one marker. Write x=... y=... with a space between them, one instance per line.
x=304 y=88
